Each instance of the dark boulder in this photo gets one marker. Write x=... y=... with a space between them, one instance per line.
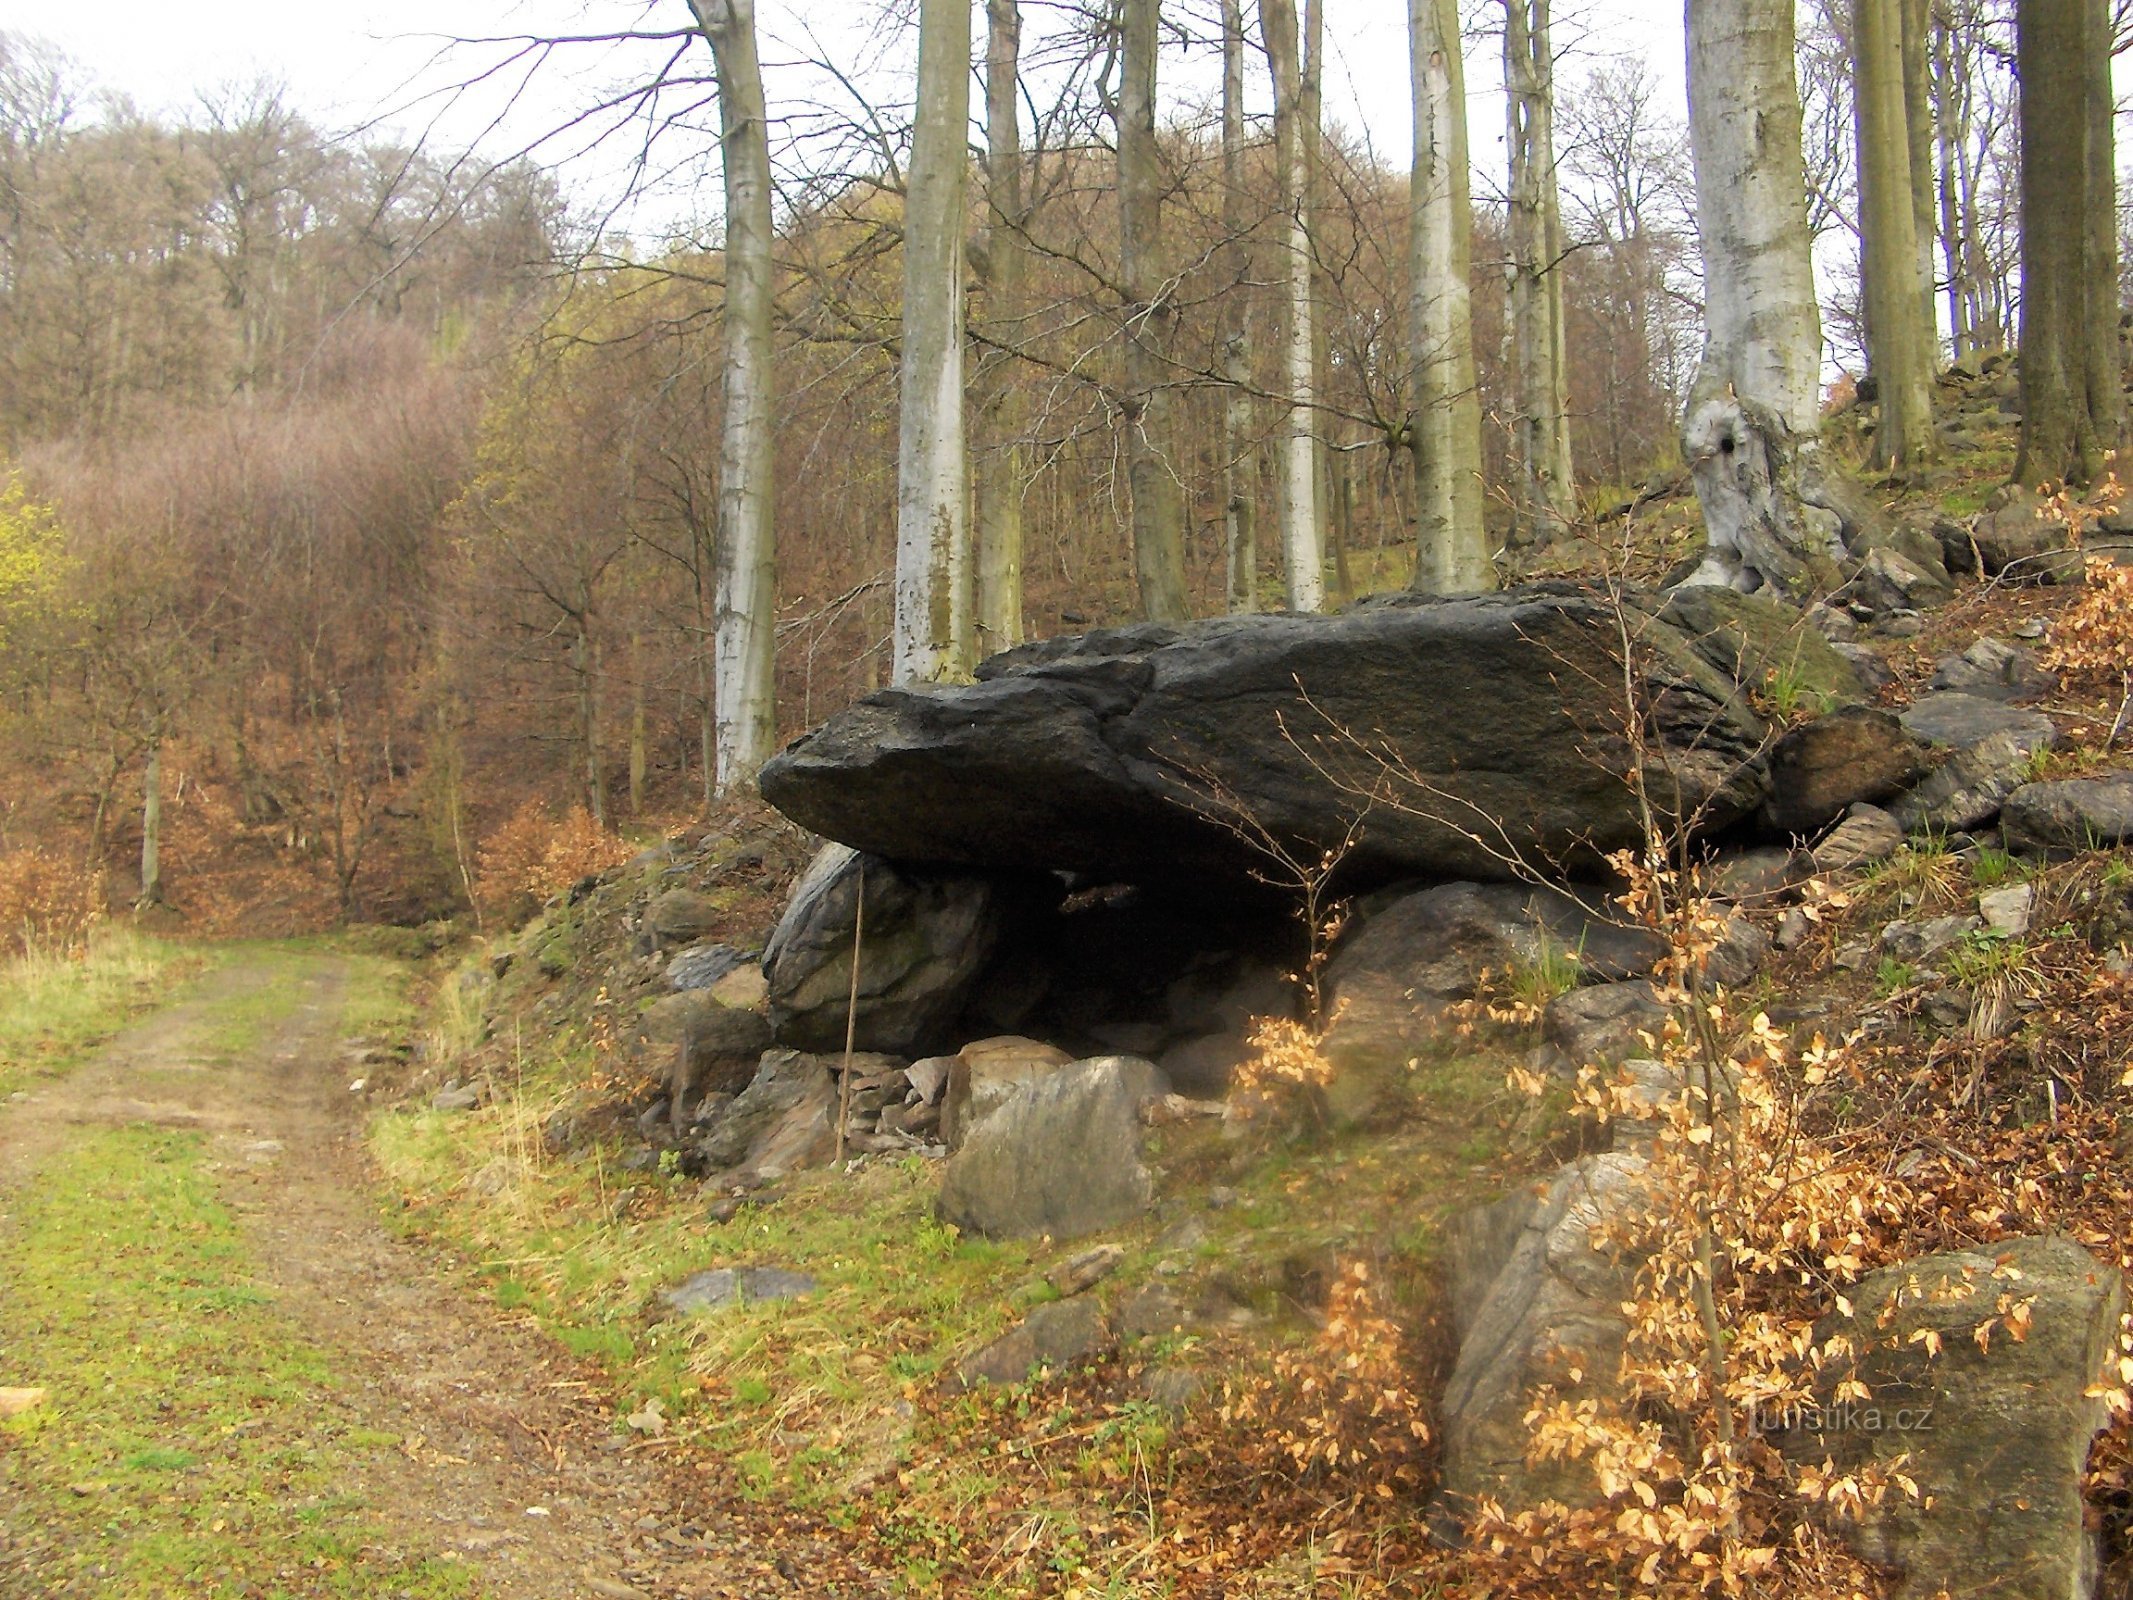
x=926 y=937
x=2070 y=815
x=1128 y=754
x=1820 y=769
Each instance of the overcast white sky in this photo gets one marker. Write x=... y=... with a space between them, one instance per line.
x=345 y=63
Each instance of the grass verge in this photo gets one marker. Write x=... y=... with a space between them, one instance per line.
x=844 y=1404
x=55 y=1009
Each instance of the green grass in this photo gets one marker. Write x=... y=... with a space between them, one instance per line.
x=1993 y=868
x=55 y=1009
x=806 y=1390
x=194 y=1443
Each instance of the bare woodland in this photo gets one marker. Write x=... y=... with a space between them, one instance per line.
x=361 y=498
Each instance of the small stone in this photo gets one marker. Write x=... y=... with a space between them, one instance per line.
x=2006 y=911
x=1172 y=1388
x=456 y=1097
x=1760 y=876
x=1868 y=835
x=1742 y=951
x=1051 y=1337
x=1920 y=941
x=729 y=1286
x=1151 y=1312
x=1187 y=1233
x=1873 y=673
x=14 y=1402
x=681 y=916
x=1993 y=670
x=2019 y=537
x=929 y=1078
x=1084 y=1269
x=1793 y=928
x=1604 y=1024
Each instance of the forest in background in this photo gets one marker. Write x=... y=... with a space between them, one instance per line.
x=360 y=507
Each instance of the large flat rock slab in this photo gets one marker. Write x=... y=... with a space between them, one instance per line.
x=1493 y=724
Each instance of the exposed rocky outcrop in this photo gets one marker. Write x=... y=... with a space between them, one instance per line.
x=1995 y=1431
x=783 y=1121
x=926 y=937
x=2068 y=815
x=1992 y=669
x=1961 y=721
x=1968 y=789
x=1124 y=754
x=1534 y=1294
x=1389 y=982
x=1061 y=1156
x=714 y=1048
x=982 y=1075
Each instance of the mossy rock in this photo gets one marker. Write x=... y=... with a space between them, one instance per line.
x=1761 y=642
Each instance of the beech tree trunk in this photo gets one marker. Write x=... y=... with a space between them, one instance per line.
x=933 y=626
x=2073 y=408
x=1900 y=343
x=1003 y=473
x=1240 y=530
x=1451 y=546
x=640 y=755
x=1918 y=118
x=152 y=825
x=1302 y=534
x=1753 y=410
x=1951 y=130
x=745 y=614
x=1158 y=495
x=1547 y=500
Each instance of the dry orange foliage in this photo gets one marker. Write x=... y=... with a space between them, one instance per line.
x=1344 y=1402
x=533 y=855
x=45 y=900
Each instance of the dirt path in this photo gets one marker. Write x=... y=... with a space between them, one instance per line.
x=504 y=1455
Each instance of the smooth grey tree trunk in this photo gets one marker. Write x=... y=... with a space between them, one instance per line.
x=152 y=825
x=2072 y=405
x=1158 y=494
x=1451 y=545
x=1918 y=119
x=745 y=605
x=1900 y=343
x=932 y=631
x=1547 y=498
x=1302 y=533
x=1240 y=474
x=1003 y=473
x=1753 y=411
